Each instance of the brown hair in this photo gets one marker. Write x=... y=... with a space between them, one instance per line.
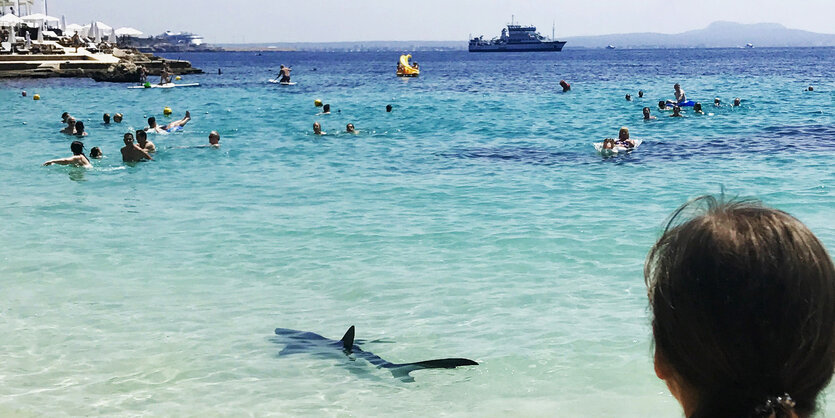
x=743 y=304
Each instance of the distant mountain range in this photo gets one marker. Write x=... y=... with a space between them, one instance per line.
x=716 y=35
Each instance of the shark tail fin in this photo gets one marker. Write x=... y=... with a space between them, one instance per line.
x=403 y=370
x=348 y=339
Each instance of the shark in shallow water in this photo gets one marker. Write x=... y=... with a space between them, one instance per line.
x=309 y=342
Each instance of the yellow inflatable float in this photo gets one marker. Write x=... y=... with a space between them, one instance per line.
x=407 y=69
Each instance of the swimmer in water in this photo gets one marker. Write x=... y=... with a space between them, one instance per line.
x=388 y=108
x=144 y=143
x=350 y=129
x=647 y=115
x=810 y=88
x=79 y=129
x=64 y=117
x=106 y=118
x=153 y=127
x=95 y=152
x=697 y=109
x=214 y=139
x=640 y=94
x=131 y=152
x=676 y=112
x=608 y=143
x=737 y=102
x=662 y=105
x=680 y=96
x=117 y=118
x=628 y=97
x=78 y=158
x=717 y=102
x=326 y=109
x=565 y=86
x=317 y=129
x=623 y=138
x=70 y=128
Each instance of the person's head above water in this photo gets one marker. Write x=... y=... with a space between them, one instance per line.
x=623 y=133
x=152 y=122
x=95 y=152
x=676 y=111
x=646 y=113
x=629 y=97
x=326 y=108
x=677 y=86
x=214 y=138
x=743 y=311
x=717 y=102
x=64 y=117
x=697 y=107
x=350 y=128
x=117 y=118
x=106 y=118
x=141 y=137
x=128 y=138
x=388 y=108
x=317 y=128
x=811 y=88
x=737 y=101
x=640 y=93
x=662 y=104
x=77 y=148
x=79 y=128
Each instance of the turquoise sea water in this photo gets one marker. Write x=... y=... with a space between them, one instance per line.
x=474 y=221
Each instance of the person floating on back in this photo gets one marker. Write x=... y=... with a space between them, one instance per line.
x=171 y=127
x=131 y=152
x=742 y=299
x=78 y=158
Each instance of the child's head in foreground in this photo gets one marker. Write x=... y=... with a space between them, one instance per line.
x=743 y=304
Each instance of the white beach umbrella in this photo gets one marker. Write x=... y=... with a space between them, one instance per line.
x=39 y=17
x=74 y=28
x=98 y=34
x=112 y=37
x=128 y=32
x=10 y=20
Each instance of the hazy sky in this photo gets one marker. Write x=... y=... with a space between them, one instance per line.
x=235 y=21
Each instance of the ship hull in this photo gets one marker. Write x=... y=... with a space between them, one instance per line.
x=540 y=47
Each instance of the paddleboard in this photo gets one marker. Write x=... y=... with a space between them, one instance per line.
x=166 y=86
x=598 y=146
x=283 y=83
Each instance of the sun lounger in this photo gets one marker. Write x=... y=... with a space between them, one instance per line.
x=6 y=47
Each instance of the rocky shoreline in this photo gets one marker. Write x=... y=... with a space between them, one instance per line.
x=118 y=65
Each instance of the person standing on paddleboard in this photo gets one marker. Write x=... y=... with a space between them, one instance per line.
x=284 y=74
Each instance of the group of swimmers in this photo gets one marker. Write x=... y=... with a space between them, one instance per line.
x=349 y=128
x=140 y=150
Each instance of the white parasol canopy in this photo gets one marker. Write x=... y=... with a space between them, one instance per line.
x=74 y=27
x=39 y=17
x=128 y=32
x=98 y=33
x=10 y=20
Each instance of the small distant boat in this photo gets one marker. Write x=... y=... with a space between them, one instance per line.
x=610 y=47
x=406 y=68
x=749 y=45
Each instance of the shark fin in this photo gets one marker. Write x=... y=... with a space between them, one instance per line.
x=348 y=339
